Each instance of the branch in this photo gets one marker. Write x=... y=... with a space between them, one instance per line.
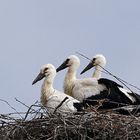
x=60 y=104
x=11 y=107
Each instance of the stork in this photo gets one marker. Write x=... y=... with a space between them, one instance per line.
x=50 y=97
x=115 y=92
x=78 y=88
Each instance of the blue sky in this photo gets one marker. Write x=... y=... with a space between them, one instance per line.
x=33 y=33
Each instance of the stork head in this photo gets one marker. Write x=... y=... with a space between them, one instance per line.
x=48 y=71
x=98 y=60
x=72 y=62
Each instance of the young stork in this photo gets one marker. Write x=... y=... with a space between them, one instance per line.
x=52 y=98
x=80 y=89
x=114 y=92
x=99 y=62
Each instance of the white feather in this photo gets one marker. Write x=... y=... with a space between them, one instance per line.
x=100 y=60
x=56 y=98
x=84 y=88
x=51 y=98
x=126 y=92
x=79 y=88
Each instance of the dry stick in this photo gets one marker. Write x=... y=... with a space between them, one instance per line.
x=130 y=84
x=9 y=133
x=6 y=117
x=60 y=104
x=26 y=105
x=101 y=125
x=29 y=111
x=15 y=113
x=116 y=78
x=11 y=107
x=29 y=108
x=21 y=103
x=83 y=56
x=119 y=79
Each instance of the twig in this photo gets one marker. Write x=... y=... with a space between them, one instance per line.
x=83 y=56
x=28 y=111
x=21 y=103
x=86 y=126
x=11 y=107
x=60 y=104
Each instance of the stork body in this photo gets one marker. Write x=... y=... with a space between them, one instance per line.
x=117 y=96
x=52 y=98
x=80 y=89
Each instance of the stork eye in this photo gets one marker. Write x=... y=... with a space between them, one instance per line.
x=45 y=69
x=67 y=60
x=93 y=60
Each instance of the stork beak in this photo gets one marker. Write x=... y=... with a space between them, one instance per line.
x=88 y=67
x=62 y=66
x=38 y=78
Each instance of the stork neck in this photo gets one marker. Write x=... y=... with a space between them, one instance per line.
x=71 y=74
x=97 y=73
x=69 y=81
x=47 y=86
x=46 y=91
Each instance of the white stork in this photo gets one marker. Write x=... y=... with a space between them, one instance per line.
x=114 y=92
x=80 y=89
x=52 y=98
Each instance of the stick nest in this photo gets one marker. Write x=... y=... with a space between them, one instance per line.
x=38 y=124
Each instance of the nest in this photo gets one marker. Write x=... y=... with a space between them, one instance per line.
x=38 y=124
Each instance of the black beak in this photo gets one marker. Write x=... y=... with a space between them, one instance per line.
x=38 y=78
x=89 y=66
x=62 y=66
